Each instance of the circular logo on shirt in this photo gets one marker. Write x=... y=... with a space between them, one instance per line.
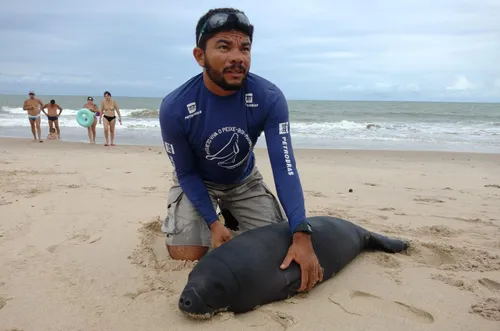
x=229 y=147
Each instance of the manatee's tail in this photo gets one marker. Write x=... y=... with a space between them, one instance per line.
x=378 y=242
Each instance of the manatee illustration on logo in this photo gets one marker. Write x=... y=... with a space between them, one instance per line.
x=229 y=155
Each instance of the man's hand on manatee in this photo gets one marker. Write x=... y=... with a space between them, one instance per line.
x=220 y=234
x=303 y=253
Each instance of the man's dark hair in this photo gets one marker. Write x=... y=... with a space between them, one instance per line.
x=227 y=27
x=52 y=101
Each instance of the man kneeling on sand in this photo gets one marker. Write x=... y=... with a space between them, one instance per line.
x=53 y=116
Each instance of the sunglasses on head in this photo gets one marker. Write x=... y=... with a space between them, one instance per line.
x=220 y=19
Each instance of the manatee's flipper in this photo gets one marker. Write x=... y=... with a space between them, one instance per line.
x=380 y=242
x=290 y=290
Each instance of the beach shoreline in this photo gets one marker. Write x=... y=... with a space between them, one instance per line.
x=261 y=145
x=81 y=246
x=416 y=126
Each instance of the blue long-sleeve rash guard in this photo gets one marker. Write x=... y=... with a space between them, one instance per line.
x=211 y=138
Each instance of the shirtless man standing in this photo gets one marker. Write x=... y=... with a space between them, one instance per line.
x=53 y=116
x=32 y=105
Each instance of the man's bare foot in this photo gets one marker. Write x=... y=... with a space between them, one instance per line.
x=34 y=140
x=113 y=145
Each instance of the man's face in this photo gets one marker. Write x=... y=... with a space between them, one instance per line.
x=32 y=96
x=227 y=59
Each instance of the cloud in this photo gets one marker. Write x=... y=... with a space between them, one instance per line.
x=411 y=50
x=461 y=83
x=496 y=83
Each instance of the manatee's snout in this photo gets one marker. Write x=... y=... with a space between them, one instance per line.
x=191 y=303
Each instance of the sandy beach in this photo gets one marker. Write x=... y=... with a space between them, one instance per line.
x=81 y=246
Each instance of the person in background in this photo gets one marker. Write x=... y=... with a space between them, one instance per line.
x=52 y=135
x=108 y=108
x=32 y=106
x=90 y=105
x=52 y=115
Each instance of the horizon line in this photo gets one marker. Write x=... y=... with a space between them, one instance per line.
x=288 y=99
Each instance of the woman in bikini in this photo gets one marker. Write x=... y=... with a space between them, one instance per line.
x=90 y=105
x=108 y=108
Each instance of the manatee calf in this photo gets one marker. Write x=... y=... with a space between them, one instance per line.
x=245 y=273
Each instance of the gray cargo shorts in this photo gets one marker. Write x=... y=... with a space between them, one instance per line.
x=251 y=203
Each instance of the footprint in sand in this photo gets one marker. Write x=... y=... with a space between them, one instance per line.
x=266 y=319
x=450 y=257
x=431 y=255
x=487 y=308
x=75 y=239
x=378 y=307
x=454 y=281
x=428 y=200
x=468 y=220
x=166 y=291
x=283 y=319
x=438 y=230
x=316 y=194
x=33 y=192
x=3 y=301
x=490 y=284
x=4 y=202
x=386 y=260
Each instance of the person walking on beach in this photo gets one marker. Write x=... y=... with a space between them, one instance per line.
x=108 y=108
x=32 y=106
x=53 y=116
x=90 y=105
x=210 y=126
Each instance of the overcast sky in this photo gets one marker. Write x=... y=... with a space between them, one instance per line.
x=314 y=49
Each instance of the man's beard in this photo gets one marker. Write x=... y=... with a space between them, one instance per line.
x=218 y=77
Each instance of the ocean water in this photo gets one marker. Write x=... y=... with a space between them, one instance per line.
x=435 y=126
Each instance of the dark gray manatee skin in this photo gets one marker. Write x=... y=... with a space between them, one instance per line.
x=245 y=273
